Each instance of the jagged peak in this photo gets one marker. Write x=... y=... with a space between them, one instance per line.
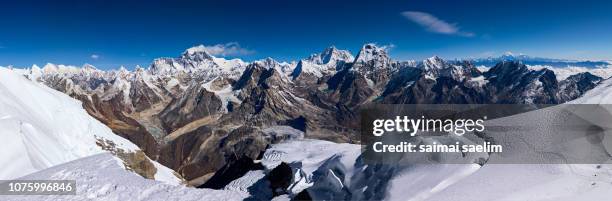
x=121 y=71
x=196 y=49
x=49 y=67
x=370 y=52
x=198 y=53
x=35 y=67
x=511 y=63
x=122 y=68
x=267 y=62
x=330 y=48
x=434 y=62
x=139 y=73
x=435 y=59
x=330 y=55
x=504 y=67
x=138 y=68
x=87 y=66
x=334 y=54
x=585 y=74
x=329 y=51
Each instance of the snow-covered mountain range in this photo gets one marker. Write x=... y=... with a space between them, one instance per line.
x=232 y=125
x=540 y=61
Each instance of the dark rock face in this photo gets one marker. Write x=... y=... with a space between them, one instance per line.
x=576 y=85
x=435 y=81
x=230 y=172
x=302 y=196
x=349 y=88
x=204 y=151
x=269 y=99
x=141 y=95
x=461 y=83
x=512 y=82
x=280 y=178
x=183 y=155
x=195 y=103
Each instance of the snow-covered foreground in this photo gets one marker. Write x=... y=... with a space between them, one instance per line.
x=102 y=177
x=41 y=128
x=533 y=182
x=330 y=171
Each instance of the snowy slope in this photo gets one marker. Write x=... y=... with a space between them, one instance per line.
x=542 y=181
x=102 y=177
x=41 y=128
x=333 y=171
x=532 y=182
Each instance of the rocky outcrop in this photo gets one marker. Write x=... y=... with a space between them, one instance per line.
x=231 y=171
x=280 y=179
x=195 y=103
x=204 y=151
x=576 y=85
x=513 y=82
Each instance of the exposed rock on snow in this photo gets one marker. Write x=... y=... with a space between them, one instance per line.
x=102 y=177
x=43 y=128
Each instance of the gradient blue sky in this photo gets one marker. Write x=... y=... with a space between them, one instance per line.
x=112 y=33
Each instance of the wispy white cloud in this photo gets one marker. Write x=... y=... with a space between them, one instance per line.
x=94 y=56
x=433 y=24
x=228 y=49
x=388 y=47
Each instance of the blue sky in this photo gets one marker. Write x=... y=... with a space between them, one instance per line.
x=112 y=33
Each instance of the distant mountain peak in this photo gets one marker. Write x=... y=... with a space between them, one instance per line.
x=331 y=55
x=371 y=52
x=539 y=61
x=122 y=68
x=512 y=54
x=268 y=61
x=88 y=67
x=435 y=59
x=434 y=62
x=196 y=49
x=197 y=53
